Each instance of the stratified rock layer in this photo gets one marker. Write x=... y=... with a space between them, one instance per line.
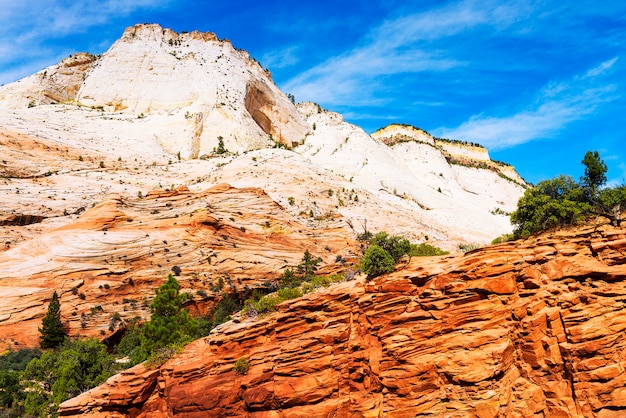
x=106 y=264
x=523 y=329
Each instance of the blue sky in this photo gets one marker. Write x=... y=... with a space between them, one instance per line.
x=537 y=82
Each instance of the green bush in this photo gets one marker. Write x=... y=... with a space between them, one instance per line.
x=395 y=246
x=268 y=303
x=12 y=394
x=130 y=342
x=289 y=279
x=17 y=360
x=426 y=250
x=503 y=238
x=242 y=365
x=377 y=261
x=61 y=374
x=220 y=314
x=286 y=294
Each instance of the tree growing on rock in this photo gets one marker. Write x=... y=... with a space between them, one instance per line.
x=307 y=266
x=60 y=374
x=170 y=323
x=595 y=174
x=52 y=334
x=377 y=261
x=550 y=204
x=396 y=246
x=561 y=201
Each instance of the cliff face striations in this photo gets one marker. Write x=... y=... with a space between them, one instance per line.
x=106 y=263
x=532 y=328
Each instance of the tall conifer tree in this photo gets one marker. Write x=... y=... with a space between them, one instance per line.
x=52 y=334
x=170 y=323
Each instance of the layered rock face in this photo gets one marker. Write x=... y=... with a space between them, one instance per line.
x=533 y=328
x=107 y=262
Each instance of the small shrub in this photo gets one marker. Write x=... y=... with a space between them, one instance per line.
x=289 y=279
x=220 y=146
x=503 y=238
x=242 y=365
x=291 y=200
x=163 y=354
x=426 y=250
x=268 y=303
x=291 y=293
x=376 y=261
x=468 y=247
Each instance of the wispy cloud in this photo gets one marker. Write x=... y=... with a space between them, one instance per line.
x=280 y=58
x=29 y=30
x=396 y=46
x=556 y=105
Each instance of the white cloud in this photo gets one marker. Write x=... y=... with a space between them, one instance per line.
x=396 y=46
x=28 y=29
x=556 y=105
x=280 y=58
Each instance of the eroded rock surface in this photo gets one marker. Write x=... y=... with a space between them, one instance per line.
x=108 y=261
x=532 y=328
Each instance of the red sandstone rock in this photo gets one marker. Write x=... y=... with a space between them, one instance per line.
x=465 y=336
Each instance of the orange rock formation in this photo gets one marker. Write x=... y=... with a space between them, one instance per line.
x=109 y=260
x=532 y=328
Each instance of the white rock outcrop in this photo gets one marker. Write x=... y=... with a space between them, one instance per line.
x=152 y=111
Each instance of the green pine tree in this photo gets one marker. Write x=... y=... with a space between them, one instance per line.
x=307 y=266
x=52 y=334
x=169 y=324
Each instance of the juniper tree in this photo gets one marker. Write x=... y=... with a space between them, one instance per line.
x=377 y=261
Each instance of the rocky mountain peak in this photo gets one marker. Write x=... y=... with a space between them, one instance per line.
x=191 y=88
x=182 y=144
